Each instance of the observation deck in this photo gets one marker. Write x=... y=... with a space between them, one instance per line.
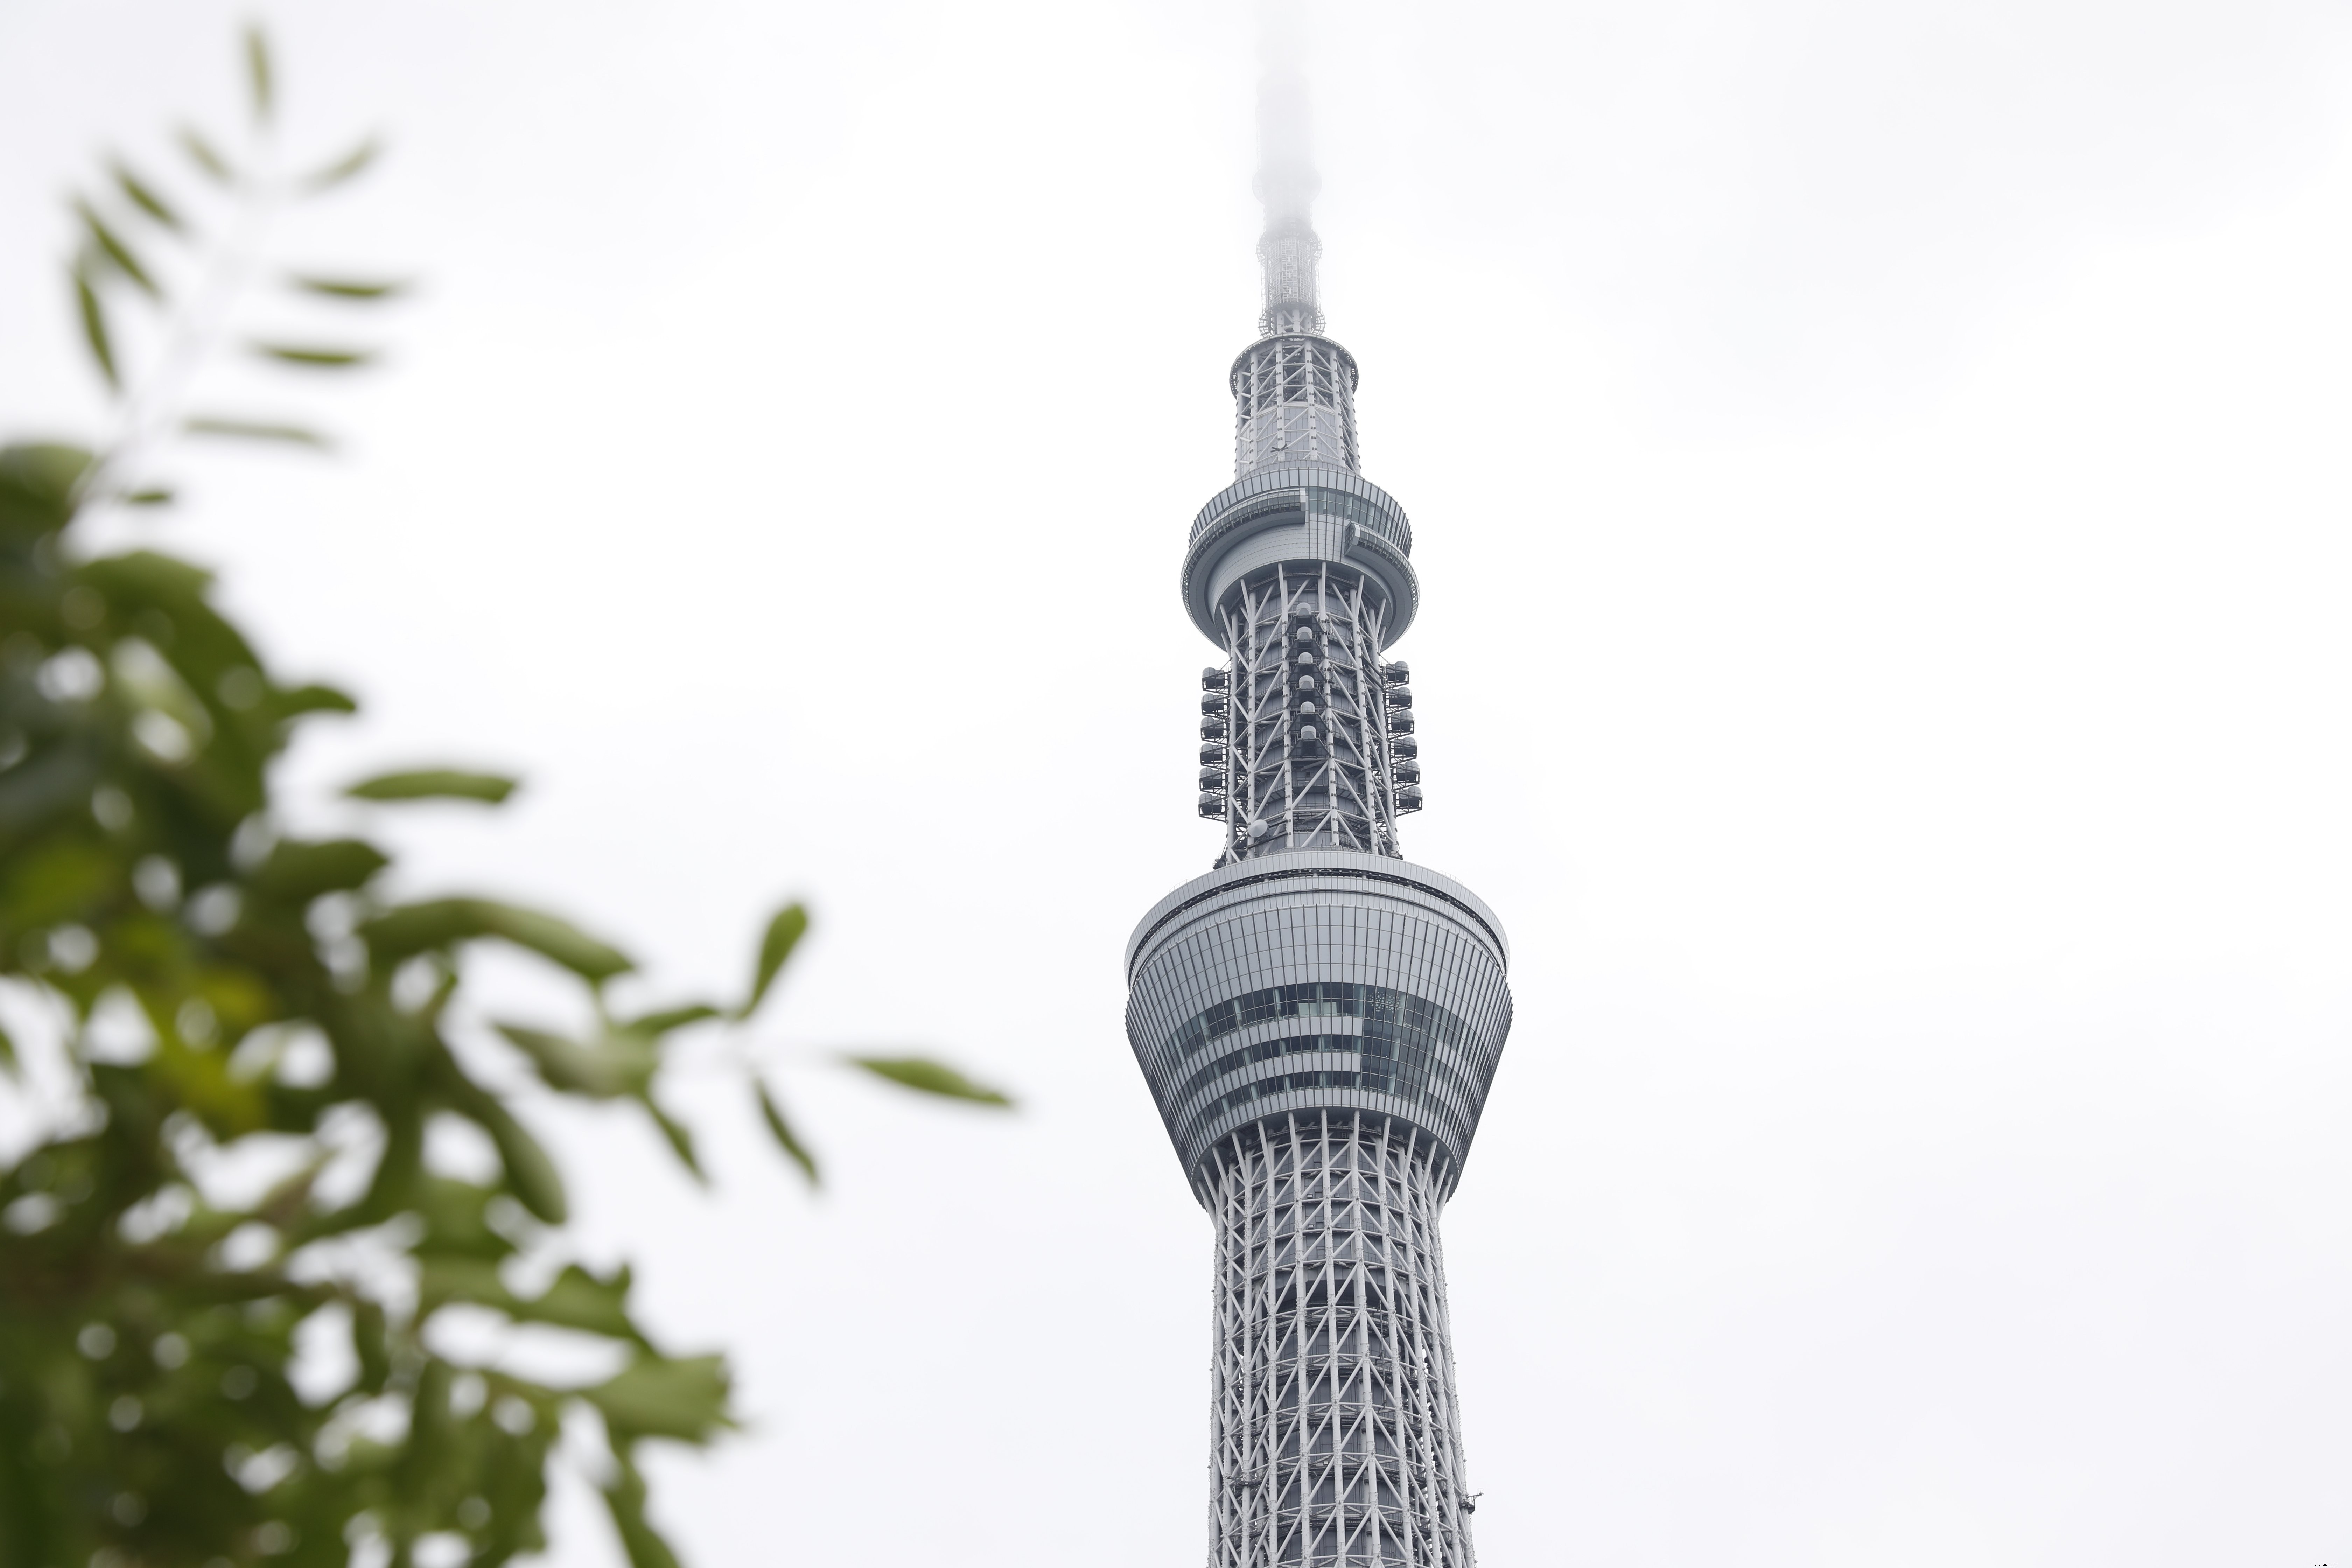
x=1299 y=513
x=1318 y=980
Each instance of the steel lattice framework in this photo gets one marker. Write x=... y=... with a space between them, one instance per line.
x=1318 y=1019
x=1307 y=757
x=1337 y=1437
x=1295 y=399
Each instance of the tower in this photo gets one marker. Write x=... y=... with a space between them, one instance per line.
x=1317 y=1018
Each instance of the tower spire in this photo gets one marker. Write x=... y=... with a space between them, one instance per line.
x=1294 y=389
x=1286 y=185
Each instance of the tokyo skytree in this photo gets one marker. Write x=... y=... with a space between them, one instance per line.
x=1317 y=1018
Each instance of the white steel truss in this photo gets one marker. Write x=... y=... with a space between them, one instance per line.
x=1308 y=759
x=1337 y=1437
x=1294 y=401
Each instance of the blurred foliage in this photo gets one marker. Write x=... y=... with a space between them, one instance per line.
x=231 y=1237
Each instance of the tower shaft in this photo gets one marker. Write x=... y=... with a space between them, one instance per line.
x=1294 y=402
x=1317 y=1018
x=1336 y=1435
x=1309 y=748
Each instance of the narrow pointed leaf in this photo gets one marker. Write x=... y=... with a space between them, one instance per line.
x=260 y=79
x=299 y=870
x=433 y=784
x=371 y=1344
x=626 y=1497
x=312 y=699
x=782 y=1131
x=94 y=333
x=205 y=156
x=143 y=196
x=784 y=933
x=924 y=1075
x=619 y=1063
x=345 y=167
x=669 y=1018
x=398 y=1168
x=311 y=355
x=531 y=1175
x=159 y=495
x=681 y=1141
x=445 y=922
x=110 y=244
x=253 y=430
x=353 y=289
x=560 y=942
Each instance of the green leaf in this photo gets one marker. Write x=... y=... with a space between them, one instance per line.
x=924 y=1075
x=347 y=288
x=626 y=1497
x=142 y=196
x=658 y=1396
x=433 y=784
x=457 y=1215
x=399 y=1168
x=40 y=483
x=297 y=871
x=146 y=576
x=681 y=1141
x=538 y=1185
x=578 y=1300
x=159 y=495
x=313 y=699
x=372 y=1344
x=445 y=922
x=253 y=430
x=260 y=77
x=782 y=1131
x=669 y=1018
x=345 y=167
x=450 y=1276
x=205 y=155
x=784 y=933
x=620 y=1064
x=556 y=940
x=7 y=1053
x=311 y=357
x=94 y=334
x=110 y=244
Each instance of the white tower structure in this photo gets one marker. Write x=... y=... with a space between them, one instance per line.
x=1317 y=1018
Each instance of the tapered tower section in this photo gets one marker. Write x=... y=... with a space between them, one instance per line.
x=1317 y=1018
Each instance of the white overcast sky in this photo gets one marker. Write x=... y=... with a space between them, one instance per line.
x=1880 y=478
